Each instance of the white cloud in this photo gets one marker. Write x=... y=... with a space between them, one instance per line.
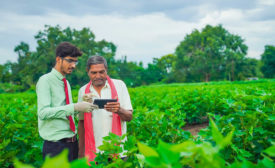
x=256 y=33
x=6 y=54
x=140 y=37
x=266 y=2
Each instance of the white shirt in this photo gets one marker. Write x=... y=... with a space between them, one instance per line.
x=102 y=119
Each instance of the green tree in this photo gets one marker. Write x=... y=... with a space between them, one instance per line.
x=32 y=64
x=165 y=65
x=268 y=59
x=5 y=72
x=25 y=68
x=211 y=54
x=130 y=72
x=151 y=74
x=249 y=67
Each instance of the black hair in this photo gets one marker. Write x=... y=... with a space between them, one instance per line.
x=65 y=49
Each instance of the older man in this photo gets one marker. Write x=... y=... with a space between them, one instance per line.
x=98 y=124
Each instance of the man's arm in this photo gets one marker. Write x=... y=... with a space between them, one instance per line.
x=123 y=109
x=45 y=111
x=81 y=134
x=125 y=115
x=114 y=107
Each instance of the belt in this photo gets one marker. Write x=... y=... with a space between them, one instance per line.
x=72 y=139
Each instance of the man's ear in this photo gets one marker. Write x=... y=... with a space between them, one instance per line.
x=57 y=59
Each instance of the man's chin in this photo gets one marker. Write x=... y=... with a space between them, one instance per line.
x=69 y=71
x=98 y=83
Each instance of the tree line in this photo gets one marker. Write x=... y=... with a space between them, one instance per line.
x=212 y=54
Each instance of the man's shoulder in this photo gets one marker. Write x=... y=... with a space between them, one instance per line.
x=44 y=78
x=118 y=82
x=82 y=89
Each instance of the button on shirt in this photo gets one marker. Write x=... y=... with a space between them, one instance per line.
x=53 y=123
x=102 y=119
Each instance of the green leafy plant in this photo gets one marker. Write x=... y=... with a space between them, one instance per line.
x=186 y=154
x=161 y=112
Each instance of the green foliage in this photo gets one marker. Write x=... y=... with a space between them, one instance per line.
x=268 y=59
x=19 y=133
x=212 y=54
x=249 y=67
x=112 y=152
x=165 y=65
x=10 y=88
x=271 y=150
x=202 y=154
x=59 y=161
x=32 y=64
x=160 y=113
x=186 y=154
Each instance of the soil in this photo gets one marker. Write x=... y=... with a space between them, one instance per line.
x=195 y=128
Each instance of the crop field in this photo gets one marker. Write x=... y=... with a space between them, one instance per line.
x=241 y=131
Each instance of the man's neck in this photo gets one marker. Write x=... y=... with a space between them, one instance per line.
x=59 y=70
x=99 y=88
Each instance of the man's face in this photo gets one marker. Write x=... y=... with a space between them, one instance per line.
x=67 y=64
x=98 y=74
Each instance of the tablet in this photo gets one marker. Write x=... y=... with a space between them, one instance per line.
x=102 y=102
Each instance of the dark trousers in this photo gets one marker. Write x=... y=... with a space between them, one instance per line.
x=54 y=148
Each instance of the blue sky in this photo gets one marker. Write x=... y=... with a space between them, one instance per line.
x=141 y=29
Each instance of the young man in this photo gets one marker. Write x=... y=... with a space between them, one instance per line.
x=94 y=126
x=55 y=106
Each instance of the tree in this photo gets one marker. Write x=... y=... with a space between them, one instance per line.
x=211 y=54
x=249 y=67
x=268 y=59
x=5 y=75
x=32 y=64
x=129 y=72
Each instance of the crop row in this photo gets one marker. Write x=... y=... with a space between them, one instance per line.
x=160 y=112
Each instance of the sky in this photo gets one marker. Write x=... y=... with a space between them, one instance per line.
x=141 y=29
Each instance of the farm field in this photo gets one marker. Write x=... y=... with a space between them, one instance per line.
x=242 y=126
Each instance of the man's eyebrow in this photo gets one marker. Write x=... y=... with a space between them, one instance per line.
x=97 y=71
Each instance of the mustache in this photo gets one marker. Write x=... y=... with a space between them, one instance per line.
x=96 y=79
x=99 y=79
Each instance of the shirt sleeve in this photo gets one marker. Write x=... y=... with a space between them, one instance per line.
x=126 y=101
x=45 y=110
x=80 y=95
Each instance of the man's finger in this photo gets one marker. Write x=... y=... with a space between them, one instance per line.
x=112 y=102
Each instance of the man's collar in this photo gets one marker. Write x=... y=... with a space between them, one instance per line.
x=57 y=74
x=105 y=86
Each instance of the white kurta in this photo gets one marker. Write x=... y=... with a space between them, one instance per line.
x=102 y=119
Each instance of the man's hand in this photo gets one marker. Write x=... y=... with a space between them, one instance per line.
x=84 y=107
x=88 y=97
x=125 y=115
x=112 y=107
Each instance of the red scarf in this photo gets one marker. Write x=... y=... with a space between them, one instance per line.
x=90 y=146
